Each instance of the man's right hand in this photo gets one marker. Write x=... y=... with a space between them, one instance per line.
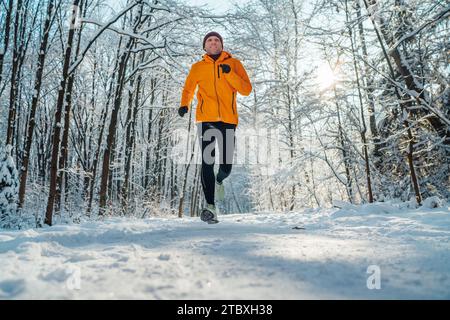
x=182 y=110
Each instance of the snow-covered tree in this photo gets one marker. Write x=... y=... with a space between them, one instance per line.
x=9 y=188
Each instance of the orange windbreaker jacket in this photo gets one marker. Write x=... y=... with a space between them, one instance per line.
x=216 y=95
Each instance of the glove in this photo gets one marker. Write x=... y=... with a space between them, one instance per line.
x=182 y=110
x=225 y=68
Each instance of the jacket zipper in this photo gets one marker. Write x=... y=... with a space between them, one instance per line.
x=215 y=89
x=232 y=103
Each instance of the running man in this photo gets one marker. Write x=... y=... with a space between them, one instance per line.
x=219 y=78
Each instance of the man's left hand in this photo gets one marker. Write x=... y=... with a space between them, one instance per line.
x=225 y=68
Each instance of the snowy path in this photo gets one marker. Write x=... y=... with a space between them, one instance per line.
x=253 y=256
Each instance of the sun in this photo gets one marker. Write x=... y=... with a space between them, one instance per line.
x=325 y=76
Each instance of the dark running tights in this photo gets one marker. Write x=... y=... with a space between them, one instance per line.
x=224 y=133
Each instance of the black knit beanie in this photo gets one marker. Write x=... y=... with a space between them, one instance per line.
x=210 y=34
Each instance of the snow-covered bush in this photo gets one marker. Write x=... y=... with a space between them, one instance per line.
x=433 y=202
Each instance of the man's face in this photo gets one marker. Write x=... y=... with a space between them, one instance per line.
x=213 y=45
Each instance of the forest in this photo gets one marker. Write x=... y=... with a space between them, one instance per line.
x=350 y=103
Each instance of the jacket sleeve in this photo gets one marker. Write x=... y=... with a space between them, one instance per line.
x=189 y=89
x=239 y=80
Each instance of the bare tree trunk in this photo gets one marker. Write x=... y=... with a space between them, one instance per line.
x=102 y=128
x=44 y=144
x=195 y=191
x=25 y=38
x=130 y=137
x=34 y=102
x=363 y=120
x=149 y=133
x=236 y=202
x=291 y=145
x=127 y=146
x=198 y=192
x=313 y=181
x=58 y=118
x=112 y=127
x=89 y=178
x=6 y=36
x=163 y=182
x=114 y=116
x=369 y=90
x=344 y=149
x=183 y=188
x=162 y=145
x=158 y=156
x=21 y=41
x=63 y=176
x=14 y=83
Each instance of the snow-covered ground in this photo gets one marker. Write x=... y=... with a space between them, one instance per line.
x=315 y=254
